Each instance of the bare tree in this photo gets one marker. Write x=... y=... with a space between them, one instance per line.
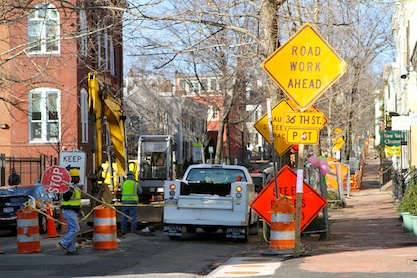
x=230 y=39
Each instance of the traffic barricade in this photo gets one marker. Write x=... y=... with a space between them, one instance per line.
x=282 y=234
x=28 y=238
x=105 y=228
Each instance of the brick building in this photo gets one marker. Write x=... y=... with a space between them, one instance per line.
x=47 y=50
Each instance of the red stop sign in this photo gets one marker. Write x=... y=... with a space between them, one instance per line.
x=56 y=179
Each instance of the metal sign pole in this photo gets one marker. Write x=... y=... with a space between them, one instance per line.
x=271 y=138
x=299 y=191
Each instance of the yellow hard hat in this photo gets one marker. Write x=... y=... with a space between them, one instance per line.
x=74 y=172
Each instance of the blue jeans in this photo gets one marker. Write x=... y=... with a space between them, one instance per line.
x=70 y=239
x=132 y=211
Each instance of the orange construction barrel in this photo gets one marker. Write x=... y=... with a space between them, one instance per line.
x=28 y=238
x=282 y=234
x=105 y=228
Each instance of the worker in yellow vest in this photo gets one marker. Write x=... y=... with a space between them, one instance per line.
x=70 y=207
x=130 y=198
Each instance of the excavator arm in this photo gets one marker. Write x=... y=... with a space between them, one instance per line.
x=108 y=120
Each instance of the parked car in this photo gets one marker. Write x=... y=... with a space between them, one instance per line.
x=13 y=199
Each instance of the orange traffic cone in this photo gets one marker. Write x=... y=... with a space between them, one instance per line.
x=51 y=225
x=64 y=227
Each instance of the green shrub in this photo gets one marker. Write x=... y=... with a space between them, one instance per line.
x=409 y=200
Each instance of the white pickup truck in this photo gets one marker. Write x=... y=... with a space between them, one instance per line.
x=211 y=197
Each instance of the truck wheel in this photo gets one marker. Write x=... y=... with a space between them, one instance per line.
x=210 y=230
x=265 y=231
x=191 y=230
x=43 y=224
x=254 y=228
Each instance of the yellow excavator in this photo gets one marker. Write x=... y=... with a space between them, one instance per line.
x=108 y=119
x=154 y=164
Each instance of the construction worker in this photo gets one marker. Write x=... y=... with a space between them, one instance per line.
x=70 y=207
x=130 y=198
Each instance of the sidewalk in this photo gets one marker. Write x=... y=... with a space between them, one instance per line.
x=366 y=236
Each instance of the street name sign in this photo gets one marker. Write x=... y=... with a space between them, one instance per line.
x=311 y=108
x=305 y=66
x=304 y=119
x=281 y=145
x=312 y=201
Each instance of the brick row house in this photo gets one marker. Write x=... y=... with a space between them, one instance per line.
x=47 y=50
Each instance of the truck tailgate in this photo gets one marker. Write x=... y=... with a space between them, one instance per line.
x=199 y=201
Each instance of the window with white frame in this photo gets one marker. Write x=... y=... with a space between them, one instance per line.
x=213 y=84
x=204 y=84
x=83 y=31
x=44 y=115
x=84 y=115
x=43 y=29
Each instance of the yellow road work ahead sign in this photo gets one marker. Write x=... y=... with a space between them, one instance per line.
x=280 y=144
x=305 y=66
x=304 y=119
x=307 y=136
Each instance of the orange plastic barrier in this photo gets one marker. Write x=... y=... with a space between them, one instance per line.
x=28 y=238
x=356 y=181
x=105 y=228
x=282 y=235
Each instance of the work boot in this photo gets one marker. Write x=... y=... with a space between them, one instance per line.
x=75 y=252
x=121 y=232
x=61 y=247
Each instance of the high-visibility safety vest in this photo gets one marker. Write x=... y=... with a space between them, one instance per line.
x=130 y=191
x=74 y=201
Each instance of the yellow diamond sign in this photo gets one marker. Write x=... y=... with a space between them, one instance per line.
x=305 y=66
x=281 y=146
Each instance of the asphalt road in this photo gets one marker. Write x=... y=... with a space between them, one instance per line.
x=195 y=255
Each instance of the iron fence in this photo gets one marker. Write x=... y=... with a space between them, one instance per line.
x=400 y=181
x=30 y=169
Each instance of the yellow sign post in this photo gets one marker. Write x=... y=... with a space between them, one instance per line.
x=305 y=66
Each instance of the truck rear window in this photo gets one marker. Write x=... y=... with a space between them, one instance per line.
x=216 y=176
